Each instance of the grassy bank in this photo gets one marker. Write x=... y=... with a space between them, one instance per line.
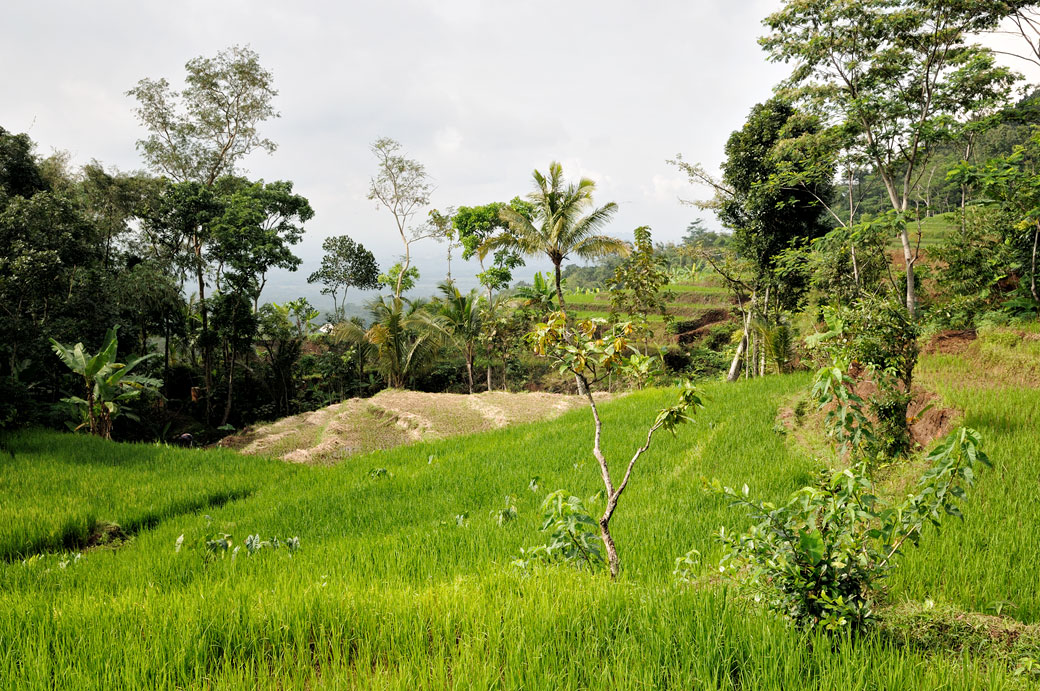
x=393 y=589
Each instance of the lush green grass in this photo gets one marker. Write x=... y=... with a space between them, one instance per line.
x=934 y=230
x=58 y=487
x=388 y=591
x=988 y=562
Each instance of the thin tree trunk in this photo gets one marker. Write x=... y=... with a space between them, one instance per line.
x=207 y=350
x=855 y=265
x=488 y=344
x=166 y=355
x=765 y=319
x=559 y=287
x=734 y=368
x=908 y=258
x=469 y=366
x=1032 y=270
x=230 y=383
x=404 y=267
x=852 y=221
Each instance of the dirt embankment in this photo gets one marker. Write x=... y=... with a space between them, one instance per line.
x=928 y=419
x=950 y=342
x=697 y=329
x=392 y=418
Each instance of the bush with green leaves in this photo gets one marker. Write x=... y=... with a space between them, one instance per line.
x=573 y=537
x=876 y=337
x=821 y=558
x=107 y=384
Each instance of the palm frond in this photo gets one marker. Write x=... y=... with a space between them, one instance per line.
x=597 y=246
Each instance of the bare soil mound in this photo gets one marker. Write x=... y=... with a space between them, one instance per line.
x=392 y=418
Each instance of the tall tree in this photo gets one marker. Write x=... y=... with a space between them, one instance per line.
x=475 y=225
x=556 y=226
x=403 y=187
x=201 y=133
x=346 y=264
x=767 y=219
x=890 y=71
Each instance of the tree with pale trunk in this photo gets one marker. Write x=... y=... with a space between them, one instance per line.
x=892 y=74
x=402 y=186
x=591 y=355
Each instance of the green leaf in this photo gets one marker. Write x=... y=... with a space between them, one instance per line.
x=812 y=545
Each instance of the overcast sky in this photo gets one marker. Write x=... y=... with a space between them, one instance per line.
x=480 y=92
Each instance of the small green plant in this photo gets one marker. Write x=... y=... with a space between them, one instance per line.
x=573 y=537
x=847 y=423
x=686 y=567
x=378 y=473
x=218 y=545
x=820 y=559
x=506 y=514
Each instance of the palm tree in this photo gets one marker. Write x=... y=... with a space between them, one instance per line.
x=404 y=342
x=557 y=227
x=458 y=316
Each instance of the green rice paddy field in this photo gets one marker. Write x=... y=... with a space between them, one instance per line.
x=390 y=590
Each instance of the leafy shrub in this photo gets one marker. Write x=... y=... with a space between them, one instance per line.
x=573 y=535
x=876 y=337
x=705 y=362
x=820 y=559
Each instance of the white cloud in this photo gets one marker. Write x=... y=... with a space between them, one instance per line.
x=448 y=140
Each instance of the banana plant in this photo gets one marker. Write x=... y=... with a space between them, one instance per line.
x=107 y=384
